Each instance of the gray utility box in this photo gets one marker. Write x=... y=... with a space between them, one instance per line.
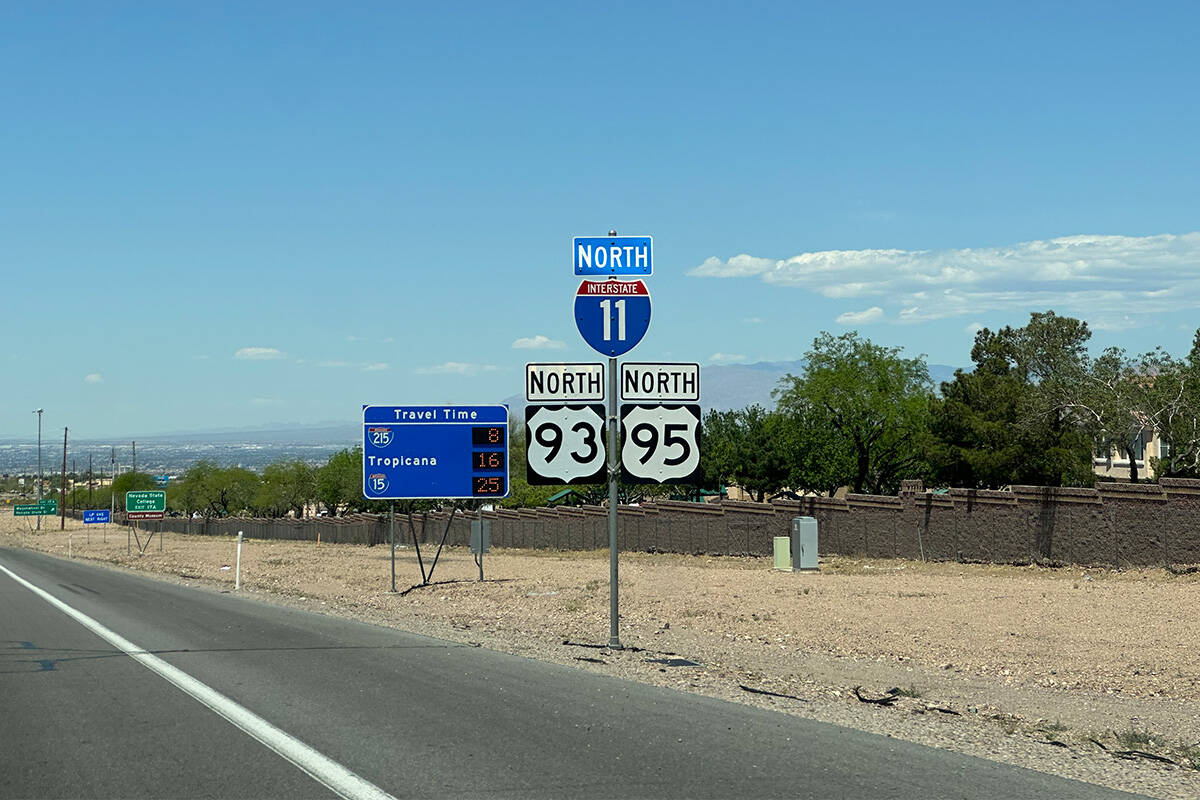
x=481 y=535
x=804 y=543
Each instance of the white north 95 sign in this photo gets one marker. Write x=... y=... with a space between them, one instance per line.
x=565 y=444
x=660 y=443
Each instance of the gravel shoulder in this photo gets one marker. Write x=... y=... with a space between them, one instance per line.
x=1057 y=670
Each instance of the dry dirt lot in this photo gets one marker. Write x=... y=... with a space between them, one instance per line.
x=1090 y=674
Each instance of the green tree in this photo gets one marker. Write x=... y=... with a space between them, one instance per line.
x=1112 y=398
x=132 y=482
x=869 y=401
x=817 y=462
x=1176 y=387
x=339 y=482
x=985 y=432
x=747 y=447
x=215 y=491
x=286 y=486
x=719 y=450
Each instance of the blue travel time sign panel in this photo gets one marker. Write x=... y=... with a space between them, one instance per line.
x=613 y=255
x=92 y=517
x=433 y=452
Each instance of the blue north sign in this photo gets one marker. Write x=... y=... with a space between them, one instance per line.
x=612 y=316
x=430 y=452
x=613 y=255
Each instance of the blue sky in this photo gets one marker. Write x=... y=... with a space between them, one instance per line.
x=225 y=215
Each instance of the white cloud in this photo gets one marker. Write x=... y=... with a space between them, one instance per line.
x=258 y=353
x=868 y=315
x=366 y=366
x=1113 y=323
x=1099 y=277
x=538 y=342
x=753 y=320
x=973 y=328
x=726 y=358
x=456 y=368
x=94 y=377
x=739 y=266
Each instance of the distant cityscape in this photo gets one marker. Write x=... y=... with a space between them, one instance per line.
x=162 y=456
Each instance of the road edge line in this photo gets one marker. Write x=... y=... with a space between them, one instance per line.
x=338 y=779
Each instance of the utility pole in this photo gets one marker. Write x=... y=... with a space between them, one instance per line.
x=39 y=413
x=89 y=480
x=62 y=492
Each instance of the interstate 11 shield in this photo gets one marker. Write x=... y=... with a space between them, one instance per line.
x=612 y=316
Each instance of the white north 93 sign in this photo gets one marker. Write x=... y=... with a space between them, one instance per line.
x=565 y=444
x=660 y=443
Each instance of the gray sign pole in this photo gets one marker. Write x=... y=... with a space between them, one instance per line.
x=392 y=528
x=614 y=618
x=39 y=413
x=112 y=488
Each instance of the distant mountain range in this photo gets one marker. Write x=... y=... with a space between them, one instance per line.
x=732 y=386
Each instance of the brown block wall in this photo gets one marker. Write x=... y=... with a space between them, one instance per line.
x=1119 y=525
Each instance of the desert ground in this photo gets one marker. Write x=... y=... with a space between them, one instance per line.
x=1085 y=673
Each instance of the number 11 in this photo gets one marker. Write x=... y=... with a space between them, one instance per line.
x=606 y=305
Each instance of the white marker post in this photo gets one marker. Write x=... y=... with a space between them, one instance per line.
x=237 y=573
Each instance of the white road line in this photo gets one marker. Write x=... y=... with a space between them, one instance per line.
x=321 y=768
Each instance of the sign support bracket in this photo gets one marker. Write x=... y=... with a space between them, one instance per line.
x=438 y=554
x=479 y=555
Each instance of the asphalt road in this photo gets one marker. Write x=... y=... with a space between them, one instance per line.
x=400 y=714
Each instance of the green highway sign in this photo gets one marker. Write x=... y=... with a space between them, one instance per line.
x=145 y=504
x=42 y=508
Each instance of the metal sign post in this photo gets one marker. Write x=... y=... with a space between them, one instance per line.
x=614 y=617
x=62 y=487
x=39 y=413
x=112 y=487
x=612 y=317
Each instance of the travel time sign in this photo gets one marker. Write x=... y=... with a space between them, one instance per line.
x=432 y=452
